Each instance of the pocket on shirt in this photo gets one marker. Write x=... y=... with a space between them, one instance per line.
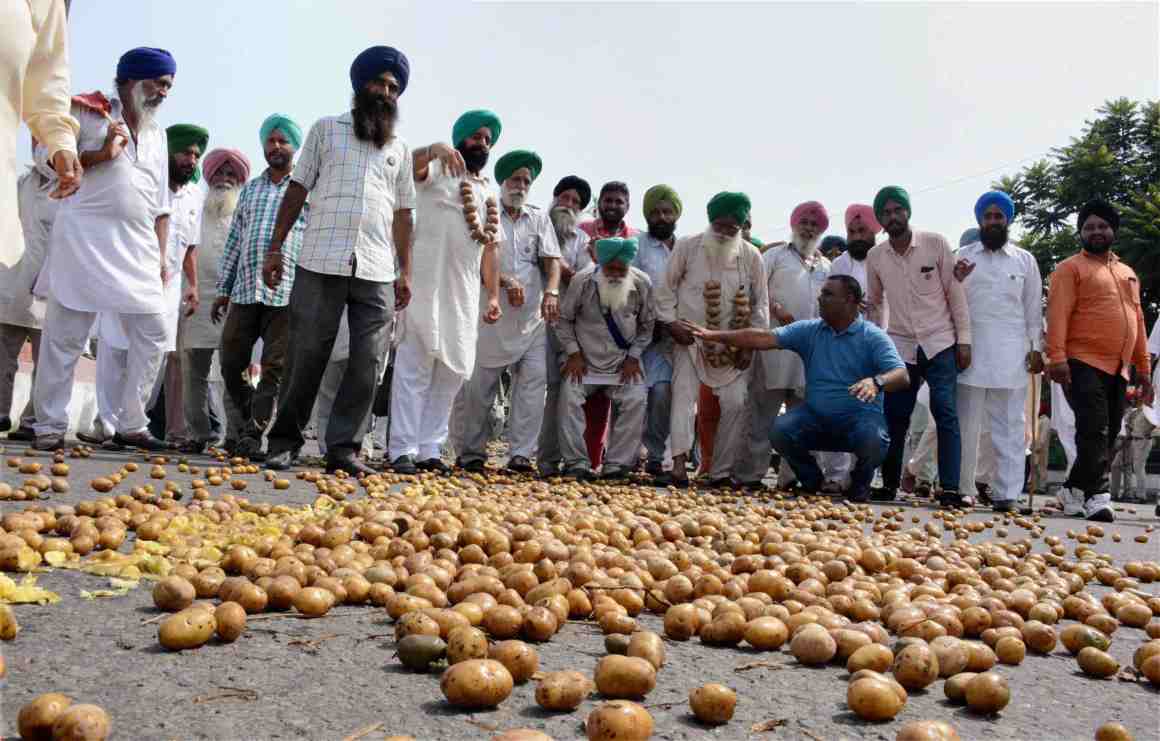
x=1130 y=287
x=928 y=282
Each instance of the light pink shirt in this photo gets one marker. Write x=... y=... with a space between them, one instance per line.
x=928 y=307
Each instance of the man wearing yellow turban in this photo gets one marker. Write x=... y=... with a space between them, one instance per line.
x=606 y=322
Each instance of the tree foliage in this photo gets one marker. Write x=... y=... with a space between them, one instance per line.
x=1116 y=157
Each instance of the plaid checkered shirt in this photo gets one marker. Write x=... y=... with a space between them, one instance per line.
x=240 y=271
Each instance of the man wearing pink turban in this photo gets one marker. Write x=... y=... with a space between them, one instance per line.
x=861 y=228
x=218 y=157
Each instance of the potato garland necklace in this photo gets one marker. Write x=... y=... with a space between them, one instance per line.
x=488 y=233
x=718 y=356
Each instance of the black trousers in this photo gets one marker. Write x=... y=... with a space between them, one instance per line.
x=1098 y=400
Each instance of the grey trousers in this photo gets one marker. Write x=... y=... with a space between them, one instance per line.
x=628 y=408
x=763 y=408
x=200 y=394
x=529 y=389
x=658 y=417
x=324 y=404
x=316 y=304
x=549 y=457
x=12 y=339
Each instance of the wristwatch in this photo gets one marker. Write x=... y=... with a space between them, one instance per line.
x=878 y=382
x=552 y=292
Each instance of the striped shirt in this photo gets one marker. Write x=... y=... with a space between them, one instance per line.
x=356 y=188
x=240 y=269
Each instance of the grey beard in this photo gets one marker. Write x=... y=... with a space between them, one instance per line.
x=140 y=105
x=717 y=247
x=613 y=294
x=806 y=247
x=564 y=221
x=222 y=202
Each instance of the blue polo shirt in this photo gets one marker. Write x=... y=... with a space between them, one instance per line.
x=835 y=361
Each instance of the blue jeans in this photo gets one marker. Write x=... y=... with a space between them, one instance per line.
x=940 y=373
x=801 y=430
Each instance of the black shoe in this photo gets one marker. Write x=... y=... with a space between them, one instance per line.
x=51 y=441
x=351 y=464
x=404 y=465
x=951 y=499
x=142 y=440
x=984 y=492
x=280 y=461
x=654 y=468
x=883 y=494
x=433 y=464
x=5 y=424
x=473 y=466
x=519 y=464
x=247 y=447
x=91 y=439
x=859 y=497
x=754 y=486
x=23 y=434
x=1006 y=505
x=616 y=474
x=580 y=473
x=193 y=447
x=678 y=482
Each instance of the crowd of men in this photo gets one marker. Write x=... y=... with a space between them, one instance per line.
x=351 y=251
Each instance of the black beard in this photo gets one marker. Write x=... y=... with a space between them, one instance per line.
x=278 y=160
x=474 y=157
x=1095 y=249
x=661 y=230
x=374 y=117
x=859 y=248
x=179 y=174
x=993 y=237
x=894 y=229
x=611 y=216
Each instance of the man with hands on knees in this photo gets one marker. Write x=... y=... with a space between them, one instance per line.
x=606 y=323
x=849 y=362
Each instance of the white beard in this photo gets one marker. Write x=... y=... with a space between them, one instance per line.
x=513 y=199
x=145 y=112
x=718 y=248
x=564 y=221
x=216 y=216
x=806 y=247
x=613 y=293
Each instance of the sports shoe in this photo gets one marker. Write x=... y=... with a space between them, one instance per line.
x=1098 y=508
x=1070 y=501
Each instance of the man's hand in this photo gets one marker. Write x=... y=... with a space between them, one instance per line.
x=684 y=333
x=550 y=308
x=574 y=368
x=744 y=360
x=963 y=268
x=191 y=299
x=218 y=311
x=68 y=174
x=1147 y=393
x=452 y=160
x=515 y=291
x=1060 y=373
x=272 y=269
x=402 y=292
x=865 y=390
x=963 y=356
x=164 y=272
x=781 y=314
x=116 y=137
x=493 y=313
x=1034 y=362
x=630 y=370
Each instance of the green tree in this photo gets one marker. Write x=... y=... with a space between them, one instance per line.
x=1116 y=157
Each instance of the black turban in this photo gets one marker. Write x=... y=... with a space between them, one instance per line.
x=578 y=184
x=1102 y=209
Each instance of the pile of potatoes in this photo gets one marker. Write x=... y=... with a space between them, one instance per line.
x=474 y=583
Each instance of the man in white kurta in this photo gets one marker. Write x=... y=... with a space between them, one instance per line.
x=108 y=250
x=1004 y=296
x=569 y=199
x=22 y=313
x=529 y=276
x=606 y=322
x=226 y=171
x=794 y=275
x=34 y=80
x=716 y=262
x=440 y=326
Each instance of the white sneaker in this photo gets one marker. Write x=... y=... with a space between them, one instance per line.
x=1070 y=501
x=1098 y=508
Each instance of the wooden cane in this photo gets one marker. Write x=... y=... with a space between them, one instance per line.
x=1034 y=389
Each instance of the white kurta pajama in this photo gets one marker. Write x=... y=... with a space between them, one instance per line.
x=794 y=281
x=583 y=328
x=440 y=326
x=517 y=341
x=1004 y=295
x=680 y=296
x=105 y=258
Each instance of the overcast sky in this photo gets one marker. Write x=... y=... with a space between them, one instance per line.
x=786 y=101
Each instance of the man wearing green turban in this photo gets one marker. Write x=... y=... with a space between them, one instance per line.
x=183 y=139
x=715 y=277
x=914 y=273
x=529 y=256
x=456 y=249
x=662 y=209
x=606 y=322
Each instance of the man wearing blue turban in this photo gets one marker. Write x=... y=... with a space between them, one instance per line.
x=606 y=322
x=1005 y=300
x=355 y=258
x=110 y=243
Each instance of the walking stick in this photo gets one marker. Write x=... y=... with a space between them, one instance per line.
x=1035 y=391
